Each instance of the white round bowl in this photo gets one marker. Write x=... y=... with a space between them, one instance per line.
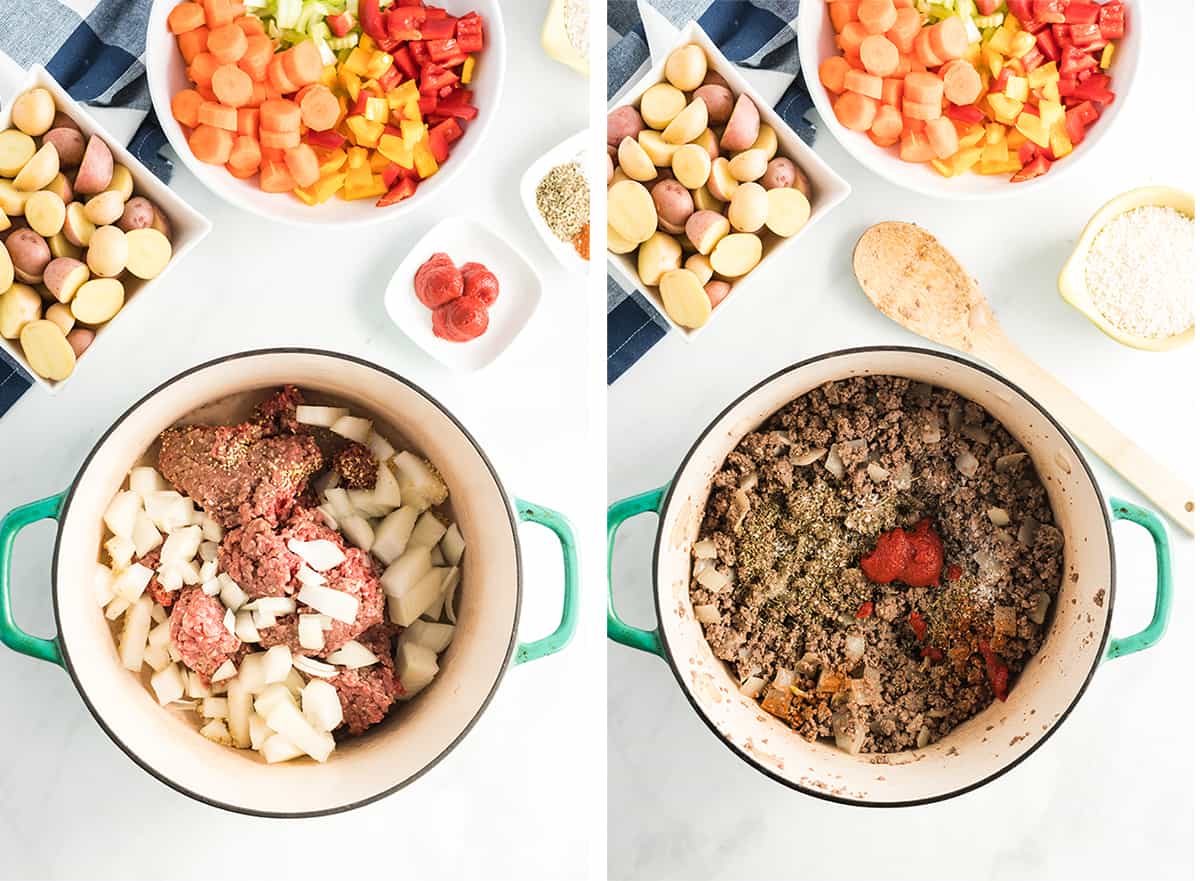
x=816 y=42
x=167 y=75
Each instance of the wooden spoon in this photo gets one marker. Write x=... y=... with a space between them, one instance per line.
x=917 y=283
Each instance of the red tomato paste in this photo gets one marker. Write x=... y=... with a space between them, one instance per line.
x=459 y=296
x=913 y=557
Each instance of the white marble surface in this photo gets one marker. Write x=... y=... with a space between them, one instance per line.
x=72 y=805
x=1110 y=795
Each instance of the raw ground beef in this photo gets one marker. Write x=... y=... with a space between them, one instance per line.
x=367 y=693
x=790 y=533
x=257 y=558
x=198 y=632
x=157 y=592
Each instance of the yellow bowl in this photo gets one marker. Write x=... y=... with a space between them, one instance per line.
x=1072 y=283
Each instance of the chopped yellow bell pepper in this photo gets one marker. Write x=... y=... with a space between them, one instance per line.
x=396 y=150
x=412 y=131
x=1011 y=23
x=1017 y=88
x=378 y=64
x=332 y=162
x=972 y=54
x=468 y=69
x=1021 y=44
x=366 y=133
x=995 y=152
x=1008 y=166
x=964 y=160
x=356 y=157
x=971 y=136
x=329 y=76
x=365 y=42
x=1051 y=111
x=1040 y=76
x=423 y=159
x=1050 y=91
x=378 y=162
x=358 y=60
x=1034 y=128
x=993 y=59
x=350 y=82
x=943 y=167
x=362 y=184
x=376 y=110
x=1060 y=141
x=995 y=133
x=1014 y=139
x=1106 y=56
x=1006 y=109
x=1001 y=41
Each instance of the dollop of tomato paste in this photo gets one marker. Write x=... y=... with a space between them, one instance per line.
x=459 y=296
x=462 y=319
x=438 y=281
x=913 y=557
x=480 y=282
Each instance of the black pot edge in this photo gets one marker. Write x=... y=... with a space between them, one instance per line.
x=1100 y=645
x=162 y=778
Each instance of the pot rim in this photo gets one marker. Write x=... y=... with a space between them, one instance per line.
x=668 y=653
x=163 y=778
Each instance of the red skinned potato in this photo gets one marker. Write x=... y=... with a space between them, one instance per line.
x=61 y=120
x=64 y=276
x=80 y=338
x=673 y=203
x=30 y=254
x=717 y=291
x=95 y=169
x=138 y=214
x=719 y=101
x=706 y=228
x=742 y=128
x=623 y=122
x=69 y=143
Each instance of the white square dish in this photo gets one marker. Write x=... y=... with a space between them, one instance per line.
x=465 y=241
x=828 y=189
x=188 y=226
x=573 y=149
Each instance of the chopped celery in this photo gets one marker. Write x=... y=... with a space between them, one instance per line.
x=319 y=31
x=287 y=13
x=347 y=42
x=327 y=56
x=987 y=22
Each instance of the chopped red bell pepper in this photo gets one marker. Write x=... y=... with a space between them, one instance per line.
x=1075 y=60
x=434 y=78
x=1094 y=88
x=1026 y=152
x=1032 y=59
x=1062 y=34
x=391 y=79
x=390 y=174
x=340 y=24
x=1112 y=20
x=327 y=140
x=470 y=33
x=403 y=60
x=1081 y=13
x=1037 y=167
x=987 y=7
x=448 y=129
x=403 y=188
x=1050 y=11
x=917 y=623
x=426 y=104
x=969 y=113
x=438 y=146
x=1086 y=37
x=435 y=12
x=370 y=17
x=438 y=28
x=932 y=653
x=442 y=49
x=1086 y=113
x=404 y=22
x=1023 y=10
x=1048 y=45
x=454 y=60
x=996 y=671
x=419 y=52
x=999 y=82
x=865 y=610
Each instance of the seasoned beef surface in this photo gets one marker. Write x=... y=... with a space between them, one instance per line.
x=799 y=502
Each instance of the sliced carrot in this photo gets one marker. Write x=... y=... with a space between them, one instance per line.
x=185 y=104
x=217 y=115
x=192 y=44
x=851 y=37
x=948 y=38
x=903 y=65
x=923 y=51
x=893 y=89
x=207 y=93
x=906 y=28
x=923 y=88
x=274 y=177
x=275 y=154
x=914 y=147
x=962 y=83
x=258 y=94
x=211 y=145
x=877 y=16
x=900 y=4
x=202 y=68
x=250 y=25
x=279 y=115
x=864 y=83
x=917 y=110
x=248 y=122
x=943 y=137
x=302 y=63
x=842 y=12
x=318 y=108
x=302 y=163
x=914 y=63
x=278 y=78
x=882 y=142
x=278 y=140
x=887 y=124
x=879 y=55
x=217 y=13
x=259 y=50
x=241 y=173
x=228 y=43
x=912 y=125
x=232 y=85
x=856 y=112
x=185 y=17
x=833 y=73
x=245 y=153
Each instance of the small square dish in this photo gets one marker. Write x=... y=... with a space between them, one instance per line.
x=466 y=241
x=827 y=188
x=574 y=149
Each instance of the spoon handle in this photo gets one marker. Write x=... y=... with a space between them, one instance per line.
x=1169 y=491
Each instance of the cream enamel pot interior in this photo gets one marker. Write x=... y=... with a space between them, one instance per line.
x=417 y=734
x=988 y=744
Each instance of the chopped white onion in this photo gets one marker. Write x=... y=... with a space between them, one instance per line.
x=182 y=545
x=134 y=634
x=102 y=584
x=244 y=627
x=998 y=516
x=784 y=678
x=416 y=666
x=419 y=480
x=215 y=708
x=231 y=594
x=354 y=428
x=239 y=702
x=120 y=551
x=278 y=748
x=321 y=555
x=902 y=478
x=379 y=447
x=230 y=621
x=708 y=614
x=391 y=536
x=116 y=608
x=448 y=603
x=211 y=529
x=427 y=532
x=877 y=472
x=271 y=697
x=259 y=732
x=753 y=686
x=1011 y=462
x=277 y=661
x=212 y=587
x=305 y=575
x=196 y=687
x=404 y=573
x=338 y=501
x=334 y=603
x=321 y=705
x=966 y=464
x=430 y=634
x=364 y=504
x=157 y=657
x=387 y=488
x=807 y=457
x=145 y=480
x=121 y=515
x=406 y=608
x=146 y=536
x=131 y=583
x=160 y=636
x=168 y=684
x=207 y=571
x=856 y=647
x=287 y=719
x=311 y=635
x=359 y=531
x=705 y=550
x=834 y=464
x=327 y=516
x=158 y=614
x=325 y=417
x=313 y=667
x=218 y=732
x=169 y=510
x=251 y=674
x=353 y=655
x=715 y=579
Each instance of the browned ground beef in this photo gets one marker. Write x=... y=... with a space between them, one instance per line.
x=790 y=533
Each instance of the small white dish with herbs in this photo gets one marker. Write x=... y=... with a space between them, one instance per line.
x=557 y=196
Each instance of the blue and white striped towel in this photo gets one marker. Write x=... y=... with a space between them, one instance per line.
x=94 y=49
x=759 y=35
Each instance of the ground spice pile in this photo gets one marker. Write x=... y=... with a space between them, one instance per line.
x=563 y=201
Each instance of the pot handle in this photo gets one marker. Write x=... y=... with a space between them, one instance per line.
x=10 y=634
x=1164 y=588
x=528 y=512
x=618 y=513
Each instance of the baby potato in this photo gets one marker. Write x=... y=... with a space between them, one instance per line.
x=631 y=211
x=658 y=254
x=19 y=305
x=673 y=203
x=688 y=124
x=717 y=291
x=635 y=161
x=699 y=266
x=95 y=169
x=787 y=211
x=623 y=122
x=45 y=212
x=781 y=172
x=742 y=129
x=63 y=278
x=736 y=254
x=128 y=221
x=122 y=182
x=6 y=269
x=107 y=253
x=748 y=165
x=161 y=223
x=69 y=143
x=719 y=101
x=708 y=140
x=104 y=208
x=38 y=171
x=29 y=253
x=767 y=141
x=684 y=298
x=619 y=244
x=77 y=228
x=33 y=112
x=16 y=148
x=691 y=166
x=660 y=104
x=706 y=201
x=46 y=349
x=60 y=314
x=149 y=252
x=139 y=211
x=80 y=338
x=12 y=200
x=61 y=187
x=705 y=229
x=60 y=247
x=686 y=67
x=721 y=182
x=98 y=300
x=659 y=151
x=749 y=207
